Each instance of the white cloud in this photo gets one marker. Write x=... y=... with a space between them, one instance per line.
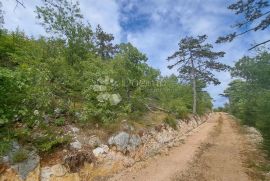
x=103 y=12
x=24 y=18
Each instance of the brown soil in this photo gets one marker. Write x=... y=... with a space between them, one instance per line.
x=212 y=152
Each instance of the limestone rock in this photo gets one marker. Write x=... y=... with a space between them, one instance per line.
x=74 y=129
x=58 y=170
x=26 y=166
x=134 y=142
x=128 y=162
x=103 y=149
x=76 y=144
x=94 y=141
x=123 y=141
x=120 y=140
x=46 y=173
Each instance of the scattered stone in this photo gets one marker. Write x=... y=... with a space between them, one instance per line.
x=164 y=137
x=125 y=142
x=94 y=141
x=126 y=127
x=76 y=145
x=159 y=128
x=46 y=173
x=58 y=170
x=65 y=151
x=5 y=159
x=46 y=119
x=57 y=112
x=141 y=133
x=253 y=135
x=128 y=162
x=103 y=149
x=121 y=141
x=134 y=142
x=74 y=129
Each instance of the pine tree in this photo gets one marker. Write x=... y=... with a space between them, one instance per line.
x=195 y=60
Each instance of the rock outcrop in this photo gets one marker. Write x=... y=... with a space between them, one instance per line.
x=97 y=160
x=125 y=142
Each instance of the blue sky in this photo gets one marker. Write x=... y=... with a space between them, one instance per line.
x=153 y=26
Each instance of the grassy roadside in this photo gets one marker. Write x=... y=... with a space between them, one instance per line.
x=255 y=158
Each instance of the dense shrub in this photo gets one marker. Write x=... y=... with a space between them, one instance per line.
x=249 y=96
x=76 y=75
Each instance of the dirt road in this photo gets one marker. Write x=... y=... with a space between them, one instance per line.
x=211 y=153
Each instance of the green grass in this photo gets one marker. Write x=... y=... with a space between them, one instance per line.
x=20 y=156
x=171 y=121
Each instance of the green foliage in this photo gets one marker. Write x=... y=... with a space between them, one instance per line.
x=63 y=19
x=194 y=61
x=80 y=72
x=20 y=155
x=103 y=44
x=4 y=147
x=59 y=122
x=23 y=134
x=171 y=121
x=249 y=96
x=13 y=91
x=47 y=143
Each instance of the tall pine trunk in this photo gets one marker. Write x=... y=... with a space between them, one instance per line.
x=194 y=109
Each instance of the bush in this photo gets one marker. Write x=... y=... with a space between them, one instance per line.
x=179 y=108
x=49 y=142
x=4 y=147
x=20 y=155
x=59 y=122
x=172 y=122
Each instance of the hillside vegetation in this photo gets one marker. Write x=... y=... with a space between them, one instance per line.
x=249 y=95
x=77 y=75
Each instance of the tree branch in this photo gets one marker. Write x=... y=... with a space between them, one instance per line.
x=250 y=20
x=19 y=3
x=259 y=44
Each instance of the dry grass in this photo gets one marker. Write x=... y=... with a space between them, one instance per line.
x=255 y=159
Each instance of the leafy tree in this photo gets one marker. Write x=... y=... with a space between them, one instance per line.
x=103 y=44
x=174 y=96
x=195 y=60
x=256 y=16
x=130 y=66
x=64 y=19
x=249 y=96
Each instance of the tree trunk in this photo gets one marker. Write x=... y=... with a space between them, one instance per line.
x=194 y=109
